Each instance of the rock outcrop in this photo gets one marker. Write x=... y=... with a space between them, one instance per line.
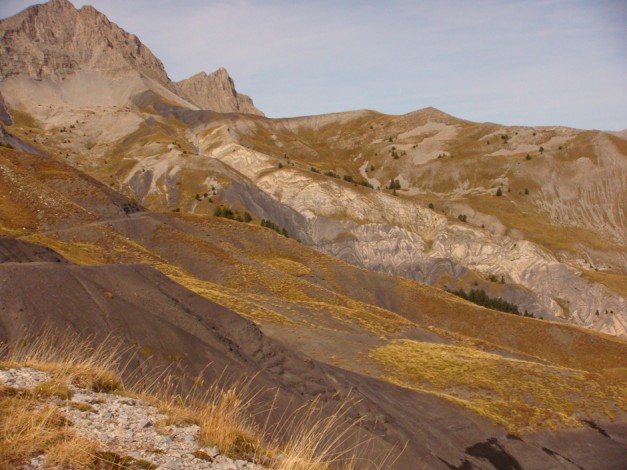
x=216 y=92
x=55 y=40
x=5 y=117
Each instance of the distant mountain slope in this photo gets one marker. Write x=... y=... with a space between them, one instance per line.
x=216 y=92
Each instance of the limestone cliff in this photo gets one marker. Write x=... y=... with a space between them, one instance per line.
x=216 y=92
x=55 y=40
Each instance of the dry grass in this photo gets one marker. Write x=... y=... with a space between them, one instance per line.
x=72 y=452
x=70 y=358
x=223 y=414
x=520 y=395
x=53 y=388
x=28 y=428
x=226 y=415
x=313 y=440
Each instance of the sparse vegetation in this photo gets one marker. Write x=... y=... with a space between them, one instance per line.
x=479 y=297
x=394 y=184
x=499 y=192
x=228 y=213
x=350 y=179
x=271 y=225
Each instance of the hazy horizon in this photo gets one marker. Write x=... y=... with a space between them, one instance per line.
x=550 y=62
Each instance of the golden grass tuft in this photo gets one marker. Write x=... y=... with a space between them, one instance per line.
x=71 y=358
x=72 y=452
x=519 y=395
x=27 y=428
x=222 y=414
x=53 y=388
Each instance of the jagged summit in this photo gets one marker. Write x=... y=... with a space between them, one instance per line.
x=216 y=92
x=55 y=40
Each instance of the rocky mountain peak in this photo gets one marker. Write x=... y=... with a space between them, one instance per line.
x=216 y=92
x=55 y=40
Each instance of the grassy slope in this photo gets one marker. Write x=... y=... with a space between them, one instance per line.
x=280 y=283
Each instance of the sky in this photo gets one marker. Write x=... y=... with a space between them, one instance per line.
x=527 y=62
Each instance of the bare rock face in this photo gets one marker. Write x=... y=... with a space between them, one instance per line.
x=216 y=92
x=55 y=40
x=5 y=117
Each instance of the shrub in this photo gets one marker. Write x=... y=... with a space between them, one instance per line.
x=225 y=212
x=272 y=226
x=499 y=192
x=479 y=297
x=394 y=184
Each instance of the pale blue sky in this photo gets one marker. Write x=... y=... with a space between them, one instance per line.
x=533 y=62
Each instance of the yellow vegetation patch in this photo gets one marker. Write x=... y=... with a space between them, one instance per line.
x=517 y=394
x=293 y=268
x=83 y=253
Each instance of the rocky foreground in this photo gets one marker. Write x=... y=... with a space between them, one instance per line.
x=128 y=432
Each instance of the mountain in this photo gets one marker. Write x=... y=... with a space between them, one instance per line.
x=216 y=92
x=54 y=54
x=55 y=41
x=327 y=252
